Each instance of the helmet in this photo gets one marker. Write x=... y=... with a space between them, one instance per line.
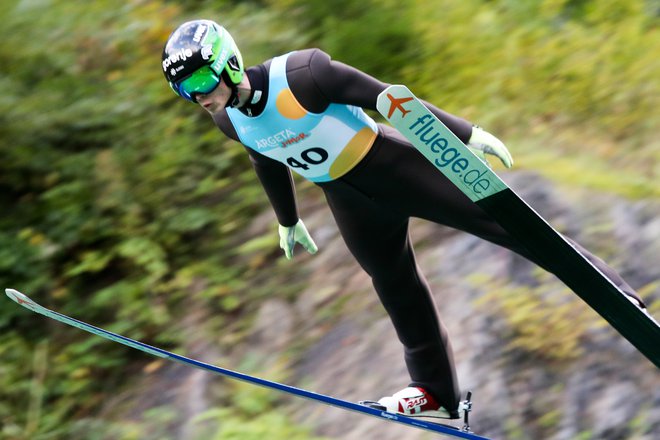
x=198 y=55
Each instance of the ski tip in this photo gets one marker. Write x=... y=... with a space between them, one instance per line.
x=17 y=296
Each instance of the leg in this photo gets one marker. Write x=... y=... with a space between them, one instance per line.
x=378 y=238
x=466 y=215
x=420 y=190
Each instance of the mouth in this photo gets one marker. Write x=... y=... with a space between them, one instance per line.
x=207 y=104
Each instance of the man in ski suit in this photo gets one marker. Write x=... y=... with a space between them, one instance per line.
x=303 y=112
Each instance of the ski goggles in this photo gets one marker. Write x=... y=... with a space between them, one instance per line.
x=202 y=81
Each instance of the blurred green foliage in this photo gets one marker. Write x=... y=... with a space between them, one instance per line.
x=581 y=76
x=120 y=199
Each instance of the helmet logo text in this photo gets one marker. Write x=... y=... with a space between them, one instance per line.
x=219 y=62
x=179 y=56
x=207 y=51
x=199 y=33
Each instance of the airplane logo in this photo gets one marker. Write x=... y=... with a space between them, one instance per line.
x=18 y=298
x=395 y=104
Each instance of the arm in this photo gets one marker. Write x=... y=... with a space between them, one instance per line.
x=277 y=182
x=274 y=177
x=337 y=82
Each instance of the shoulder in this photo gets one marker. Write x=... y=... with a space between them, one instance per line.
x=307 y=59
x=306 y=71
x=314 y=62
x=311 y=62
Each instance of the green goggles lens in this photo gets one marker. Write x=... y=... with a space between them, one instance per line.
x=202 y=81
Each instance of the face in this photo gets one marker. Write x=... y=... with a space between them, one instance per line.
x=216 y=100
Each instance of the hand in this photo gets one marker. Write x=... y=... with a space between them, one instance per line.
x=481 y=143
x=289 y=235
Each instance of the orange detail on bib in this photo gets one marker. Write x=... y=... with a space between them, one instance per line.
x=353 y=153
x=288 y=106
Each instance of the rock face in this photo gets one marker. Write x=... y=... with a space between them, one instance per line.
x=609 y=391
x=511 y=328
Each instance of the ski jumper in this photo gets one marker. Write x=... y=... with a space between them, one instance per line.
x=381 y=182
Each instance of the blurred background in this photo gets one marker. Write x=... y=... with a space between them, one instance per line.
x=123 y=206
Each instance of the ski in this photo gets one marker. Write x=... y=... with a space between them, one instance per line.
x=451 y=157
x=366 y=408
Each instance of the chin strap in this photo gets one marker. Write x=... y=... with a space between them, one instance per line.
x=233 y=98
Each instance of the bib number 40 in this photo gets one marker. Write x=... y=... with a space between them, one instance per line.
x=310 y=156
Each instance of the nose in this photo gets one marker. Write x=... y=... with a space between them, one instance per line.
x=205 y=101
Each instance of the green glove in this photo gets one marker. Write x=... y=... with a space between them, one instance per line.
x=289 y=235
x=481 y=143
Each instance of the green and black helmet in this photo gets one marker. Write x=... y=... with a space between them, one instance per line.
x=198 y=56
